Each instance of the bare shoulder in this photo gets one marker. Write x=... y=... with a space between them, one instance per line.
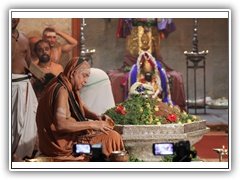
x=61 y=100
x=23 y=37
x=23 y=34
x=62 y=93
x=57 y=68
x=61 y=97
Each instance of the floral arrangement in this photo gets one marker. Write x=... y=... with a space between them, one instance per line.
x=142 y=110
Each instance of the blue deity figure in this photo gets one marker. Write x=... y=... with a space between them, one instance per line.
x=148 y=71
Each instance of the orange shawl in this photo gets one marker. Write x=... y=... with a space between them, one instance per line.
x=52 y=142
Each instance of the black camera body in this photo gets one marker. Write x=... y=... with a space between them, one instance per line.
x=97 y=155
x=181 y=150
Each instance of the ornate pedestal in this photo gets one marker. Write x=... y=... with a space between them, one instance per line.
x=138 y=139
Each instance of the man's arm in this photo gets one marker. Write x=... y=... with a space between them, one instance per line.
x=65 y=123
x=71 y=41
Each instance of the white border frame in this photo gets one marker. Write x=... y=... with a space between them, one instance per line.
x=120 y=13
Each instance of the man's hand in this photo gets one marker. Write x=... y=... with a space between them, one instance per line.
x=101 y=126
x=109 y=120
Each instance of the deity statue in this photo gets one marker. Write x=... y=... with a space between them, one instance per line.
x=147 y=71
x=144 y=35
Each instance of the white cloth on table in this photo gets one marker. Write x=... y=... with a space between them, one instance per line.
x=24 y=107
x=97 y=93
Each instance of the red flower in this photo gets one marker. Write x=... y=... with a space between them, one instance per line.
x=172 y=117
x=121 y=109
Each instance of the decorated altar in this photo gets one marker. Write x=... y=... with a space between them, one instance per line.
x=153 y=102
x=143 y=121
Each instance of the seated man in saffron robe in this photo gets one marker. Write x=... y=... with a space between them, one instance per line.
x=63 y=120
x=149 y=71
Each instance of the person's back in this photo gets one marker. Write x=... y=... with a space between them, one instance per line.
x=47 y=132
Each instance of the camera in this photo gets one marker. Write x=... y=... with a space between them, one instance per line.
x=97 y=155
x=94 y=151
x=181 y=151
x=163 y=149
x=79 y=149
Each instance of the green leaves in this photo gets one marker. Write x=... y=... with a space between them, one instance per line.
x=140 y=110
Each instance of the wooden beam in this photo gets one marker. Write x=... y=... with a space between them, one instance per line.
x=76 y=23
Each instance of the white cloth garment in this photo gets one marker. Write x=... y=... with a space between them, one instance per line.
x=97 y=93
x=24 y=107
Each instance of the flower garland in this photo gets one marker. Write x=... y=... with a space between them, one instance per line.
x=141 y=88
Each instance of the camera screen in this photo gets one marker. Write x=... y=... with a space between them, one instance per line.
x=82 y=148
x=163 y=149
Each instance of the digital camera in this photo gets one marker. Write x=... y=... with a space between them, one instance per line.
x=94 y=151
x=97 y=154
x=79 y=149
x=163 y=149
x=181 y=150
